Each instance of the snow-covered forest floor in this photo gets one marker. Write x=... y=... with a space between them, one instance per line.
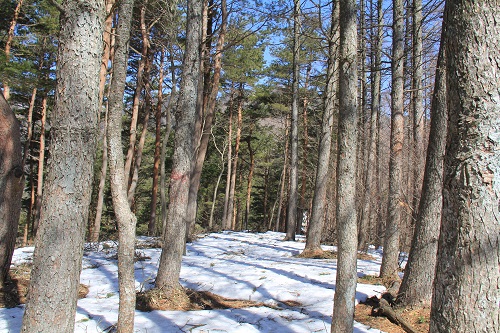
x=248 y=266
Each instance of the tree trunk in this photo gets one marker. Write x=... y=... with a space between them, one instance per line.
x=234 y=168
x=125 y=218
x=137 y=95
x=8 y=45
x=249 y=182
x=419 y=271
x=41 y=163
x=175 y=231
x=389 y=268
x=291 y=222
x=283 y=178
x=11 y=185
x=315 y=229
x=225 y=212
x=156 y=164
x=466 y=290
x=209 y=114
x=347 y=225
x=55 y=276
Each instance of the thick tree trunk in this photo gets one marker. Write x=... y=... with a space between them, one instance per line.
x=11 y=185
x=315 y=228
x=390 y=265
x=58 y=253
x=419 y=271
x=345 y=290
x=466 y=289
x=125 y=218
x=175 y=231
x=291 y=221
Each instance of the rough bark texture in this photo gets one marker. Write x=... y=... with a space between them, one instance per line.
x=175 y=231
x=390 y=266
x=466 y=289
x=315 y=228
x=347 y=225
x=419 y=271
x=125 y=218
x=291 y=221
x=55 y=277
x=11 y=185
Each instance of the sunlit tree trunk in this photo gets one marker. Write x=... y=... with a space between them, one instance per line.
x=466 y=289
x=55 y=276
x=314 y=231
x=347 y=225
x=291 y=221
x=41 y=164
x=419 y=271
x=182 y=159
x=225 y=213
x=390 y=265
x=8 y=45
x=249 y=180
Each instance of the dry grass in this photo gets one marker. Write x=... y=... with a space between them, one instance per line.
x=417 y=317
x=183 y=299
x=15 y=289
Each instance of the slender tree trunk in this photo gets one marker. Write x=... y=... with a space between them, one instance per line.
x=182 y=160
x=225 y=213
x=216 y=189
x=108 y=38
x=55 y=276
x=125 y=218
x=156 y=166
x=249 y=182
x=11 y=185
x=345 y=290
x=305 y=151
x=419 y=271
x=137 y=95
x=8 y=45
x=283 y=178
x=234 y=167
x=390 y=266
x=466 y=289
x=41 y=163
x=291 y=222
x=315 y=229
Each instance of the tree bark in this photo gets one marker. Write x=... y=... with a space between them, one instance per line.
x=315 y=229
x=40 y=170
x=51 y=304
x=419 y=271
x=291 y=222
x=347 y=225
x=466 y=290
x=125 y=218
x=11 y=185
x=249 y=181
x=175 y=231
x=8 y=45
x=389 y=268
x=225 y=212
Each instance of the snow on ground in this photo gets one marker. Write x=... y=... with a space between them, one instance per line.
x=259 y=267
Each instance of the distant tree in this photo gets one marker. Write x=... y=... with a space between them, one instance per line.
x=55 y=276
x=182 y=159
x=347 y=225
x=389 y=266
x=466 y=289
x=11 y=185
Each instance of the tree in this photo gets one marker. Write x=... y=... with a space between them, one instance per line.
x=11 y=185
x=466 y=290
x=315 y=228
x=389 y=266
x=182 y=159
x=126 y=220
x=51 y=304
x=347 y=225
x=291 y=223
x=419 y=271
x=8 y=44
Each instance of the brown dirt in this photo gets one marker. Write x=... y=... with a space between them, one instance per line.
x=15 y=289
x=320 y=254
x=183 y=299
x=417 y=317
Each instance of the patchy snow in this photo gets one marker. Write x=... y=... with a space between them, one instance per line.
x=259 y=267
